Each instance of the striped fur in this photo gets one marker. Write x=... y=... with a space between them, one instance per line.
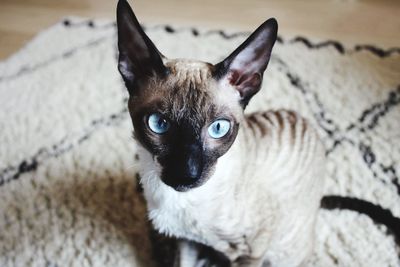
x=262 y=123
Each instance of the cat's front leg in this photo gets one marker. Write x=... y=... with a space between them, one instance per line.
x=192 y=254
x=187 y=254
x=253 y=262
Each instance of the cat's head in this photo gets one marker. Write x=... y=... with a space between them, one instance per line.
x=187 y=113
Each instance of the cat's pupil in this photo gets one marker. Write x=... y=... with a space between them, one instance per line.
x=218 y=126
x=161 y=123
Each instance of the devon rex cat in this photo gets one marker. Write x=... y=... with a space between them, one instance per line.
x=249 y=186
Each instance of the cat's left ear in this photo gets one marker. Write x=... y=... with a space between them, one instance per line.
x=138 y=56
x=244 y=68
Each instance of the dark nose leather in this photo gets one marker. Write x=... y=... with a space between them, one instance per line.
x=187 y=164
x=193 y=163
x=183 y=167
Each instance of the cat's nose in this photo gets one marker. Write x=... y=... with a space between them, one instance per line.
x=183 y=168
x=191 y=163
x=193 y=167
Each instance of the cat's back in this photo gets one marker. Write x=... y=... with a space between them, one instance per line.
x=286 y=126
x=280 y=128
x=287 y=171
x=283 y=145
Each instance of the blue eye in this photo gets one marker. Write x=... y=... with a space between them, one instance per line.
x=219 y=128
x=158 y=124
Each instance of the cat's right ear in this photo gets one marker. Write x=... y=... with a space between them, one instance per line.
x=244 y=68
x=138 y=56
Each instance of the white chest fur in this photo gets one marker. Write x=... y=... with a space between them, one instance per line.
x=209 y=214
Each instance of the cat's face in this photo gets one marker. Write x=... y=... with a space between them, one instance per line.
x=185 y=122
x=187 y=113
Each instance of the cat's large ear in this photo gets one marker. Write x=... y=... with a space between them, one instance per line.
x=244 y=68
x=138 y=56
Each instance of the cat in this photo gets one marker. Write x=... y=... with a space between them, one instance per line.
x=248 y=186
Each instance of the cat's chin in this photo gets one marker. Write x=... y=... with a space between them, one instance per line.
x=182 y=187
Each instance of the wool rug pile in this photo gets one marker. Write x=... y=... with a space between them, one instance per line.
x=68 y=168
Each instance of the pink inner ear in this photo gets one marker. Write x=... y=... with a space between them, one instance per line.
x=234 y=77
x=243 y=80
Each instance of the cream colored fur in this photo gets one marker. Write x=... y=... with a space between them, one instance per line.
x=260 y=204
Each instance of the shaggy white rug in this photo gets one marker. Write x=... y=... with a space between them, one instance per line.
x=68 y=191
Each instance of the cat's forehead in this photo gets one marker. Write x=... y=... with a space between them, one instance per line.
x=188 y=92
x=190 y=72
x=189 y=83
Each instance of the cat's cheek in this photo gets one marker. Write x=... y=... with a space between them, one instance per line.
x=210 y=171
x=218 y=147
x=148 y=162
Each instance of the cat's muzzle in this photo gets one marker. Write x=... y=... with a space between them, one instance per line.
x=185 y=169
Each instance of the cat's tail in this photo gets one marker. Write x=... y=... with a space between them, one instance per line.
x=377 y=213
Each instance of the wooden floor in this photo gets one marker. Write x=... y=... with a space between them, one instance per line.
x=349 y=21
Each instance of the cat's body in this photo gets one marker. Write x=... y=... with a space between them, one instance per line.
x=247 y=186
x=265 y=209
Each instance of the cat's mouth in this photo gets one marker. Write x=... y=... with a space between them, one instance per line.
x=183 y=183
x=184 y=188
